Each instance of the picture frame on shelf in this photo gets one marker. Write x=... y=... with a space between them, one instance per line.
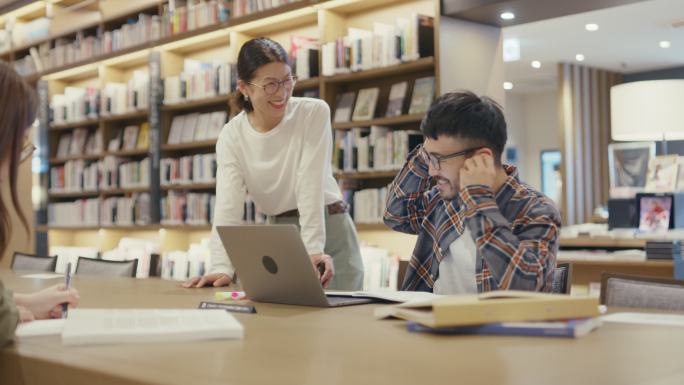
x=662 y=173
x=655 y=212
x=423 y=94
x=628 y=167
x=364 y=109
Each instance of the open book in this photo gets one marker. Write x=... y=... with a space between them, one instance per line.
x=96 y=326
x=387 y=295
x=495 y=306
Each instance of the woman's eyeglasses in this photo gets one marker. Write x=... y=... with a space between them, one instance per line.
x=272 y=87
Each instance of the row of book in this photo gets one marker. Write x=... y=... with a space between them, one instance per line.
x=200 y=168
x=83 y=212
x=368 y=205
x=381 y=270
x=406 y=40
x=199 y=80
x=246 y=7
x=304 y=53
x=180 y=265
x=179 y=208
x=123 y=173
x=131 y=137
x=363 y=105
x=180 y=16
x=373 y=149
x=78 y=142
x=196 y=127
x=75 y=104
x=135 y=32
x=120 y=98
x=75 y=176
x=126 y=211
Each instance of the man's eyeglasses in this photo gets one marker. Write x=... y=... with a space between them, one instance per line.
x=26 y=152
x=436 y=160
x=272 y=87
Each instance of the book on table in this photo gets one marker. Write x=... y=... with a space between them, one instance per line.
x=572 y=328
x=495 y=306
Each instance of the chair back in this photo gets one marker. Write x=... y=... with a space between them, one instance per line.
x=562 y=278
x=624 y=290
x=21 y=261
x=101 y=267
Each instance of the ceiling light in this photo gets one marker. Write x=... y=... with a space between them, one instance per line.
x=579 y=57
x=591 y=27
x=508 y=86
x=508 y=16
x=536 y=64
x=664 y=44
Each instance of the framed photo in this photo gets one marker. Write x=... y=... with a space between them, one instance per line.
x=654 y=213
x=662 y=173
x=628 y=167
x=365 y=104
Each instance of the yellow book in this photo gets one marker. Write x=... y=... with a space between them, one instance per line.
x=495 y=306
x=144 y=136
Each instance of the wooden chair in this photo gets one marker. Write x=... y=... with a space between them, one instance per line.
x=22 y=261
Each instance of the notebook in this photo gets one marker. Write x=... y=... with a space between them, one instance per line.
x=103 y=326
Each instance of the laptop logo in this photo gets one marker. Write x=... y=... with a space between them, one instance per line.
x=269 y=264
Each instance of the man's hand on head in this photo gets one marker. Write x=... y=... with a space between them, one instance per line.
x=478 y=170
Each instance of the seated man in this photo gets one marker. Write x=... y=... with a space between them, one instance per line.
x=479 y=228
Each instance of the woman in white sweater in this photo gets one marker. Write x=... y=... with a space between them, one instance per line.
x=279 y=149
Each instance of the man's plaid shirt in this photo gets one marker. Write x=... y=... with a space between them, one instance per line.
x=516 y=230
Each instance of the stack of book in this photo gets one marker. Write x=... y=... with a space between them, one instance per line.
x=126 y=211
x=200 y=168
x=407 y=40
x=181 y=16
x=83 y=212
x=246 y=7
x=373 y=149
x=179 y=208
x=668 y=250
x=199 y=80
x=501 y=312
x=196 y=127
x=369 y=205
x=180 y=265
x=75 y=105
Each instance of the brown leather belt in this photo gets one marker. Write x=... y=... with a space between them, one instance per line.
x=338 y=207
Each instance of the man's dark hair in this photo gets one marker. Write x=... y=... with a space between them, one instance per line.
x=476 y=119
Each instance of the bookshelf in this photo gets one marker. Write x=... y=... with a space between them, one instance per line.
x=165 y=56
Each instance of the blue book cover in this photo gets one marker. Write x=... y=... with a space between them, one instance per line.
x=567 y=328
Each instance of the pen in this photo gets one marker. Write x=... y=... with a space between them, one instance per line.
x=67 y=277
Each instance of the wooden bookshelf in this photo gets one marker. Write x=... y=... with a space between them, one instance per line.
x=136 y=152
x=307 y=84
x=122 y=191
x=367 y=175
x=414 y=119
x=603 y=243
x=189 y=146
x=195 y=104
x=74 y=195
x=423 y=64
x=65 y=159
x=189 y=186
x=69 y=126
x=135 y=115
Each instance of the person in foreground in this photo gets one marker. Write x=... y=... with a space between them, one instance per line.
x=479 y=228
x=17 y=113
x=279 y=149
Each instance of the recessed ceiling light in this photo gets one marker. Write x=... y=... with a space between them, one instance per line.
x=508 y=16
x=591 y=27
x=579 y=57
x=536 y=64
x=664 y=44
x=508 y=86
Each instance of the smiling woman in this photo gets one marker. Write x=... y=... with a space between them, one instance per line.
x=279 y=149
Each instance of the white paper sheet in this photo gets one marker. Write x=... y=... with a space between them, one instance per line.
x=646 y=319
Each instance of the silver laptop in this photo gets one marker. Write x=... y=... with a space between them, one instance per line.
x=273 y=266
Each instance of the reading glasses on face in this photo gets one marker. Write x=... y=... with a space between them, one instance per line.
x=272 y=87
x=436 y=160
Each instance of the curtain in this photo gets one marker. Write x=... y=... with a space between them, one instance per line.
x=584 y=106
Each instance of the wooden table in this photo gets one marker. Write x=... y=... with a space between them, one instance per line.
x=300 y=345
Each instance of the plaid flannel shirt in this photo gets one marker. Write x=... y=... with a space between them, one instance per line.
x=515 y=230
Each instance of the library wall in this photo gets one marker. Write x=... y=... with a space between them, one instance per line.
x=471 y=58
